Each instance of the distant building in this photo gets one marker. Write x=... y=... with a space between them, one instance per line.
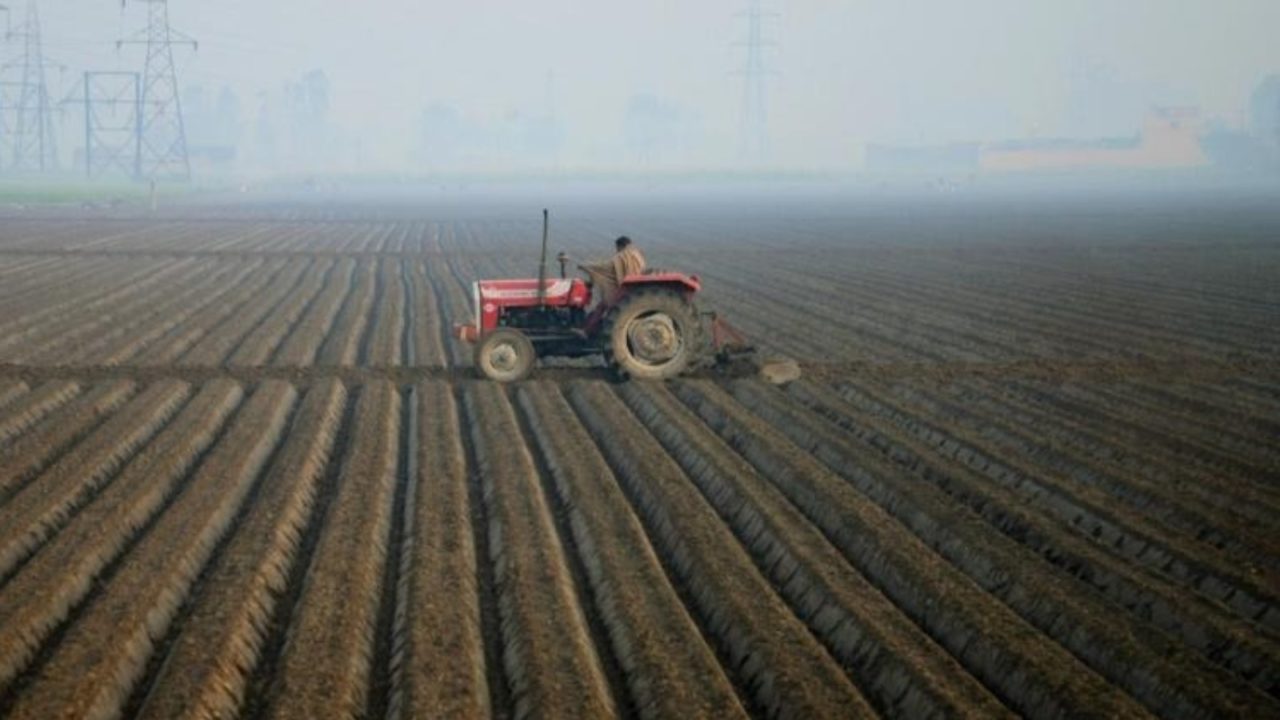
x=1170 y=138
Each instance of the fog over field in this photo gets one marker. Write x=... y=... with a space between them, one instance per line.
x=567 y=85
x=700 y=360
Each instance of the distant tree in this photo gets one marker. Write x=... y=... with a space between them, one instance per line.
x=654 y=128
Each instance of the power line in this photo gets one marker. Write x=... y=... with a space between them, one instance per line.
x=162 y=132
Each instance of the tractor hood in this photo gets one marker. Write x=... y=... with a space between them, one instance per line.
x=522 y=292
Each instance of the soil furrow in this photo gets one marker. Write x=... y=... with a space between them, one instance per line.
x=774 y=656
x=1222 y=636
x=443 y=661
x=669 y=669
x=1145 y=662
x=58 y=433
x=1026 y=670
x=899 y=668
x=501 y=703
x=28 y=409
x=213 y=654
x=343 y=344
x=327 y=660
x=547 y=650
x=1136 y=537
x=40 y=509
x=141 y=599
x=11 y=391
x=40 y=598
x=387 y=679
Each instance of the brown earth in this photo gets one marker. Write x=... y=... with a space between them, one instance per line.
x=1032 y=468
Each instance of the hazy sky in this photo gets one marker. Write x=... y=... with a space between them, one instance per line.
x=847 y=72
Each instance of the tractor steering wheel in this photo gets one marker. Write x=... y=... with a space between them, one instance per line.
x=589 y=275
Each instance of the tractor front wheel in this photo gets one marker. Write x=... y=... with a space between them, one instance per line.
x=505 y=355
x=652 y=335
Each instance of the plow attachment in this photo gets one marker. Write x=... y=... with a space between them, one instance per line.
x=734 y=355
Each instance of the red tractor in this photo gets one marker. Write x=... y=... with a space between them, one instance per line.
x=652 y=330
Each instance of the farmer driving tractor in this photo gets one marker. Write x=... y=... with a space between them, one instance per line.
x=607 y=275
x=645 y=324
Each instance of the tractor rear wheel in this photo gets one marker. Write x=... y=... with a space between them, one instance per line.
x=652 y=335
x=505 y=355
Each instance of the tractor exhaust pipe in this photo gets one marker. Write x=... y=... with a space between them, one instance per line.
x=542 y=262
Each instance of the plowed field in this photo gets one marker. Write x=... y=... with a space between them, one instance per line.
x=1033 y=468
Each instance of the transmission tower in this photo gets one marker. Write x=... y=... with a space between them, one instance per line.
x=162 y=140
x=112 y=123
x=754 y=119
x=26 y=118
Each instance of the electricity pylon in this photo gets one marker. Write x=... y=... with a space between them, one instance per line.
x=112 y=124
x=26 y=119
x=162 y=142
x=754 y=118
